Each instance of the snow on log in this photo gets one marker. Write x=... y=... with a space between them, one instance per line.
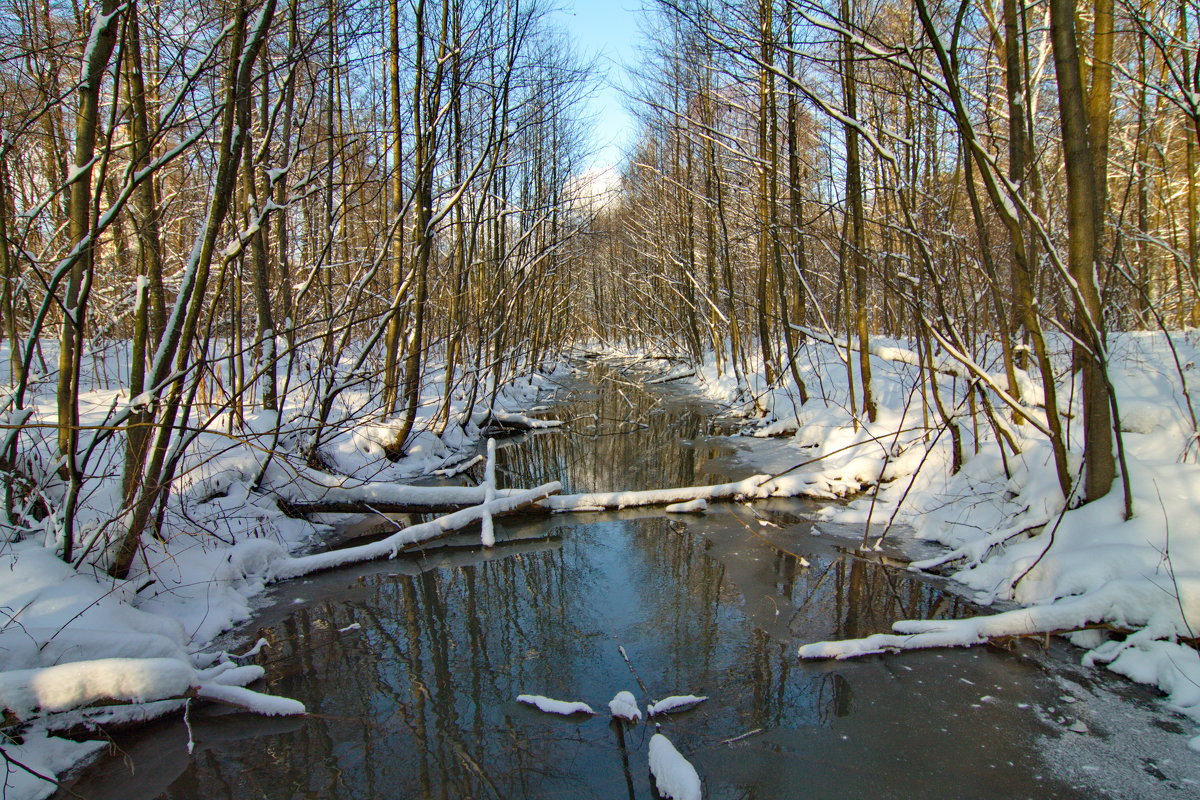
x=673 y=774
x=624 y=706
x=750 y=487
x=551 y=706
x=229 y=674
x=459 y=468
x=512 y=421
x=675 y=376
x=1122 y=602
x=412 y=535
x=681 y=702
x=265 y=704
x=388 y=497
x=977 y=550
x=398 y=498
x=26 y=692
x=488 y=533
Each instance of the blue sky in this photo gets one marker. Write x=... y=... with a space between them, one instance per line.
x=608 y=30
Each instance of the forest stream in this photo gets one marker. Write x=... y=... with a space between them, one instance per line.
x=410 y=668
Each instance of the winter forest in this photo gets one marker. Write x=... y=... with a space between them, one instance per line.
x=359 y=425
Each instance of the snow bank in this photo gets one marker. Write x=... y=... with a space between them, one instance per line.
x=1001 y=517
x=70 y=638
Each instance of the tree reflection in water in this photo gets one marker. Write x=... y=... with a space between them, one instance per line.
x=420 y=700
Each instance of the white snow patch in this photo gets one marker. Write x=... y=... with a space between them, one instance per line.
x=551 y=706
x=674 y=775
x=79 y=683
x=680 y=702
x=624 y=706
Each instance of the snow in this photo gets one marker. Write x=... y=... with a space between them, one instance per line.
x=268 y=705
x=749 y=487
x=1001 y=519
x=487 y=532
x=523 y=421
x=681 y=702
x=551 y=706
x=673 y=774
x=71 y=637
x=47 y=755
x=624 y=706
x=696 y=506
x=283 y=567
x=1009 y=535
x=78 y=683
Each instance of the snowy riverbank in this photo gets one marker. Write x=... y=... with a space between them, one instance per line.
x=78 y=648
x=1133 y=584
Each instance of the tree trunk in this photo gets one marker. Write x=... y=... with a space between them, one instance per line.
x=1083 y=227
x=97 y=53
x=854 y=199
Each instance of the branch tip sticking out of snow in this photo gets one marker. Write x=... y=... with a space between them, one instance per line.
x=265 y=704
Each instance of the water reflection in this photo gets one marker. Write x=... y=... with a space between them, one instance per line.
x=419 y=699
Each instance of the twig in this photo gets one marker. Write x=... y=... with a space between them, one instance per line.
x=187 y=723
x=1170 y=564
x=26 y=768
x=636 y=677
x=851 y=446
x=746 y=735
x=1066 y=507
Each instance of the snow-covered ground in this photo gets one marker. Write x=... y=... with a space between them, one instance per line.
x=78 y=647
x=1135 y=585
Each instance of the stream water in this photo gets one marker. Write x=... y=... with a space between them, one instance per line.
x=410 y=668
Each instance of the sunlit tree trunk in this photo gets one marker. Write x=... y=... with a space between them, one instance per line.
x=854 y=202
x=80 y=260
x=1083 y=225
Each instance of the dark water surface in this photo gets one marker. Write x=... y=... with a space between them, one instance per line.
x=418 y=700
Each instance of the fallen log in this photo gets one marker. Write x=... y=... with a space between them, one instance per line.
x=391 y=499
x=670 y=379
x=1117 y=600
x=497 y=421
x=436 y=499
x=752 y=487
x=410 y=537
x=110 y=683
